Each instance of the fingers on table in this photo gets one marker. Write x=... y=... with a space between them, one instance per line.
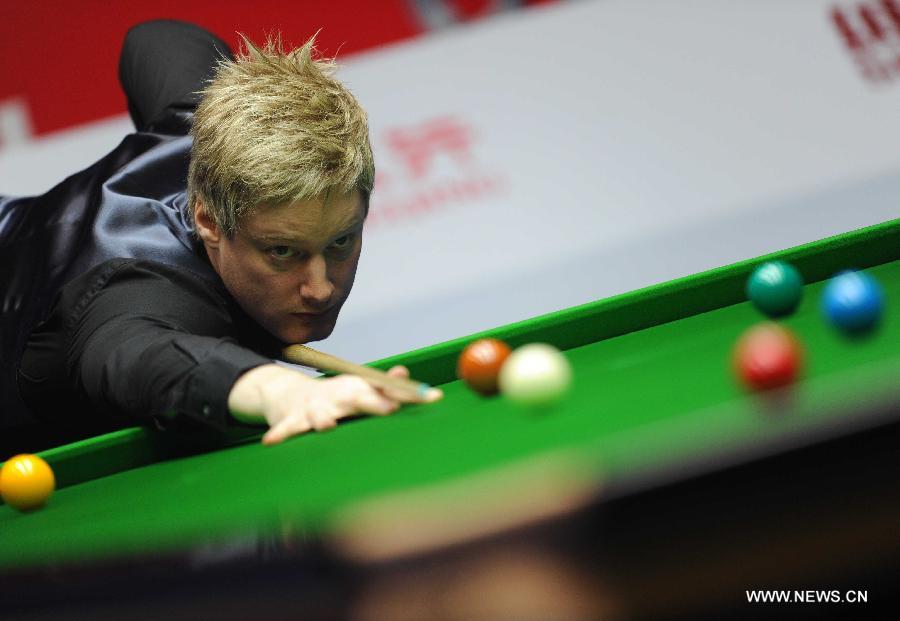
x=433 y=394
x=323 y=416
x=354 y=395
x=398 y=371
x=292 y=425
x=345 y=395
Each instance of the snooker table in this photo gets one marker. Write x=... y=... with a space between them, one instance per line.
x=654 y=408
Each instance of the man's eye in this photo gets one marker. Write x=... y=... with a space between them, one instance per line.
x=344 y=242
x=282 y=252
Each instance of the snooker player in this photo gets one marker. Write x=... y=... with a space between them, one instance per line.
x=149 y=302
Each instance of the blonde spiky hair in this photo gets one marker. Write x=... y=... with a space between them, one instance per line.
x=275 y=127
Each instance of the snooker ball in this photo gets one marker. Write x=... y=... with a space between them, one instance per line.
x=535 y=375
x=775 y=288
x=480 y=362
x=26 y=482
x=853 y=301
x=767 y=356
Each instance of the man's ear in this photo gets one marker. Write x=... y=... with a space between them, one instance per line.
x=205 y=226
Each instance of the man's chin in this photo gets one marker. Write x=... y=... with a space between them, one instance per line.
x=306 y=334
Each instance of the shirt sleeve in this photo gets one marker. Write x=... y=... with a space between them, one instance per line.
x=137 y=340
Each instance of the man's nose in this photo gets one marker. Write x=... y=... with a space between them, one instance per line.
x=316 y=289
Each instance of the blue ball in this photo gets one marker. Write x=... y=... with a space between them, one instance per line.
x=853 y=301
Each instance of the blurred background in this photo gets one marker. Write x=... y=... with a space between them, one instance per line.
x=531 y=155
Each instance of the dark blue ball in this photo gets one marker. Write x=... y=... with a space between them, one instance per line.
x=853 y=301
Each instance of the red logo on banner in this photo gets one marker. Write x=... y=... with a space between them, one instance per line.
x=428 y=167
x=416 y=147
x=871 y=33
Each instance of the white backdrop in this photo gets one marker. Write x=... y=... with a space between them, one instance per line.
x=552 y=157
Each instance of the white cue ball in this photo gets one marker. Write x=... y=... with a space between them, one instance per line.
x=535 y=375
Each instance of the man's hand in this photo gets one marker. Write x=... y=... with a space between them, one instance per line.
x=293 y=403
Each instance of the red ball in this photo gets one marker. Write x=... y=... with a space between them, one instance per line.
x=479 y=364
x=767 y=356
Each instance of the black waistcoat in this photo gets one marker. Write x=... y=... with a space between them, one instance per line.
x=132 y=204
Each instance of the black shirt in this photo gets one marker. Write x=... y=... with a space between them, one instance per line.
x=133 y=341
x=131 y=204
x=110 y=312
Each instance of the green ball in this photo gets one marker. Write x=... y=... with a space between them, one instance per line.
x=775 y=288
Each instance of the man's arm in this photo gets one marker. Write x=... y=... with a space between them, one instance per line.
x=136 y=340
x=142 y=340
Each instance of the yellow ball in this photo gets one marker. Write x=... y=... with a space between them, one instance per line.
x=26 y=482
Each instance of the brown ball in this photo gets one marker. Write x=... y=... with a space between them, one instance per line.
x=480 y=362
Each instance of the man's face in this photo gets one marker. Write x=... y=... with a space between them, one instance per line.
x=290 y=267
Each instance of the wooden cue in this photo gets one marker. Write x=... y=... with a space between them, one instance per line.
x=309 y=357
